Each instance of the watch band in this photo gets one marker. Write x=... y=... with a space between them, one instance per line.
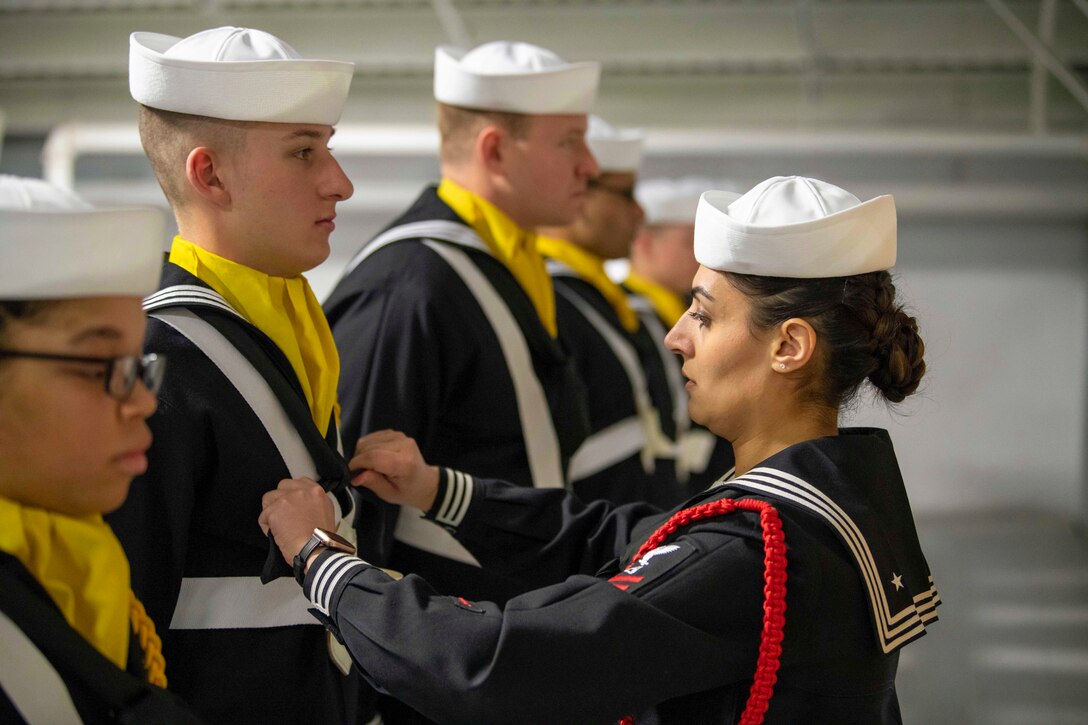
x=320 y=538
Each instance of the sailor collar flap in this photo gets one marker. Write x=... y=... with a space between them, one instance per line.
x=188 y=295
x=874 y=523
x=181 y=288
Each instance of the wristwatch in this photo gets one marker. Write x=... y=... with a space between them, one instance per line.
x=320 y=538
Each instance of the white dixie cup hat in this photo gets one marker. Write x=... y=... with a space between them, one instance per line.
x=793 y=226
x=54 y=245
x=673 y=200
x=237 y=74
x=616 y=150
x=514 y=77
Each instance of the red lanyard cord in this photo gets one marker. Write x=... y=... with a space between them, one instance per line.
x=774 y=591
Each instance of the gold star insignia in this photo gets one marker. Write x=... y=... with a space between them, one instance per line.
x=897 y=581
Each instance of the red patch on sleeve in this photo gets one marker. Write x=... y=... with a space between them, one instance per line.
x=623 y=581
x=468 y=606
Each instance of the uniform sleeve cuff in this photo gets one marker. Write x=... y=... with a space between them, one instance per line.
x=452 y=500
x=328 y=570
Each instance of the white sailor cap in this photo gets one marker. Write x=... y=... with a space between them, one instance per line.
x=54 y=245
x=792 y=226
x=514 y=77
x=237 y=74
x=616 y=150
x=673 y=201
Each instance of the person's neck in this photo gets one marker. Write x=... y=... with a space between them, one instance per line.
x=569 y=235
x=475 y=182
x=751 y=449
x=641 y=269
x=207 y=237
x=214 y=240
x=557 y=233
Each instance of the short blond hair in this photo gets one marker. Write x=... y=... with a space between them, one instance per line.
x=168 y=137
x=459 y=126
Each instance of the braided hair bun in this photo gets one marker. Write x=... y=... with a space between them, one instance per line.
x=897 y=348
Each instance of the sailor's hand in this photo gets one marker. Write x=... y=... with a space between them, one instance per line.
x=292 y=511
x=390 y=464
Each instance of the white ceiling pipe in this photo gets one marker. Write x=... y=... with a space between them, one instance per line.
x=67 y=142
x=1049 y=201
x=684 y=142
x=1043 y=202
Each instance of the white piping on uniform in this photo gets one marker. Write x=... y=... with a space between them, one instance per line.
x=607 y=447
x=240 y=602
x=31 y=682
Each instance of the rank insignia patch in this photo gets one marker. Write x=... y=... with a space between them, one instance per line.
x=652 y=565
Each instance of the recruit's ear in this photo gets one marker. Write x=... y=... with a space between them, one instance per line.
x=491 y=147
x=203 y=170
x=793 y=345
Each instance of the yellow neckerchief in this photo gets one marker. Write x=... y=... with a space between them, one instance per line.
x=590 y=268
x=82 y=566
x=669 y=306
x=284 y=309
x=511 y=244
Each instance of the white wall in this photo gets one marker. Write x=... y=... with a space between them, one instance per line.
x=1000 y=421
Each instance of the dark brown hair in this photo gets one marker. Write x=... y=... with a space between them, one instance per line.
x=19 y=310
x=866 y=334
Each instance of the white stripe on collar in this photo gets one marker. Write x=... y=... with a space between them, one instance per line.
x=895 y=629
x=559 y=269
x=186 y=294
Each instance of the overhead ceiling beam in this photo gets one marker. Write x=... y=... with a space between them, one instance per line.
x=1042 y=51
x=452 y=23
x=810 y=59
x=1037 y=106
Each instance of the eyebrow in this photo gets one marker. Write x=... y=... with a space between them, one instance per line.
x=96 y=333
x=702 y=291
x=307 y=133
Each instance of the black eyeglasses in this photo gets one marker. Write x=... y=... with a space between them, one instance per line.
x=121 y=372
x=628 y=193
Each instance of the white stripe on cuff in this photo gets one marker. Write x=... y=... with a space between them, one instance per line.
x=459 y=488
x=328 y=575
